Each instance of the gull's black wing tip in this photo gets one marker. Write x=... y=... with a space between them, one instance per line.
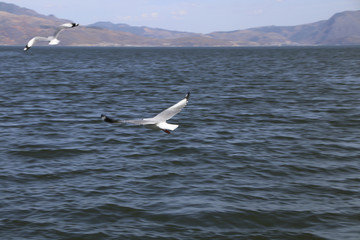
x=187 y=96
x=107 y=119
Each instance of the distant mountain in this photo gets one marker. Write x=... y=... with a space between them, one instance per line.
x=12 y=8
x=18 y=25
x=144 y=31
x=341 y=29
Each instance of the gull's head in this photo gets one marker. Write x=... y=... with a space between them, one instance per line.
x=26 y=48
x=75 y=24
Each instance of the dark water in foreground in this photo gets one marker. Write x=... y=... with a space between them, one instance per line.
x=268 y=146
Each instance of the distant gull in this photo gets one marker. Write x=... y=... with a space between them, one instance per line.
x=159 y=121
x=53 y=40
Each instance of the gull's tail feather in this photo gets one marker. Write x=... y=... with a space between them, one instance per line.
x=167 y=126
x=54 y=41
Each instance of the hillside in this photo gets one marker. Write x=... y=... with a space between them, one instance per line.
x=18 y=25
x=341 y=29
x=144 y=31
x=12 y=8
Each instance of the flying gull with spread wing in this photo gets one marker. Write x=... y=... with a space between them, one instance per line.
x=53 y=40
x=159 y=121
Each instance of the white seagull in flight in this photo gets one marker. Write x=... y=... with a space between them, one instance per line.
x=159 y=121
x=53 y=40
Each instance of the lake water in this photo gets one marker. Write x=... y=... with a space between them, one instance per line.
x=268 y=146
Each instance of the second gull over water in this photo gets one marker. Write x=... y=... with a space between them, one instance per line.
x=159 y=121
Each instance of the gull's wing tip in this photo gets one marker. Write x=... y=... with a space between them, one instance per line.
x=107 y=119
x=187 y=96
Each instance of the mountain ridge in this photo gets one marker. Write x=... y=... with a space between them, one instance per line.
x=144 y=30
x=18 y=25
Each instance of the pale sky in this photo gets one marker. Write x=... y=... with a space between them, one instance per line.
x=200 y=16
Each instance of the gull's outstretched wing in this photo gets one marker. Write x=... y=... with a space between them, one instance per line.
x=34 y=40
x=136 y=121
x=62 y=27
x=145 y=121
x=58 y=31
x=171 y=111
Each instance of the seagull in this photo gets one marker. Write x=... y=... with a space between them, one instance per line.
x=51 y=39
x=159 y=121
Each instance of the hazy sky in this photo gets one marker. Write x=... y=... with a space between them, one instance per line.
x=201 y=16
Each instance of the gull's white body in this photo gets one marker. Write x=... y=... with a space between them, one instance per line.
x=53 y=40
x=159 y=121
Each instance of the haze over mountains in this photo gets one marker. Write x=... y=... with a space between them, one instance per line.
x=18 y=25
